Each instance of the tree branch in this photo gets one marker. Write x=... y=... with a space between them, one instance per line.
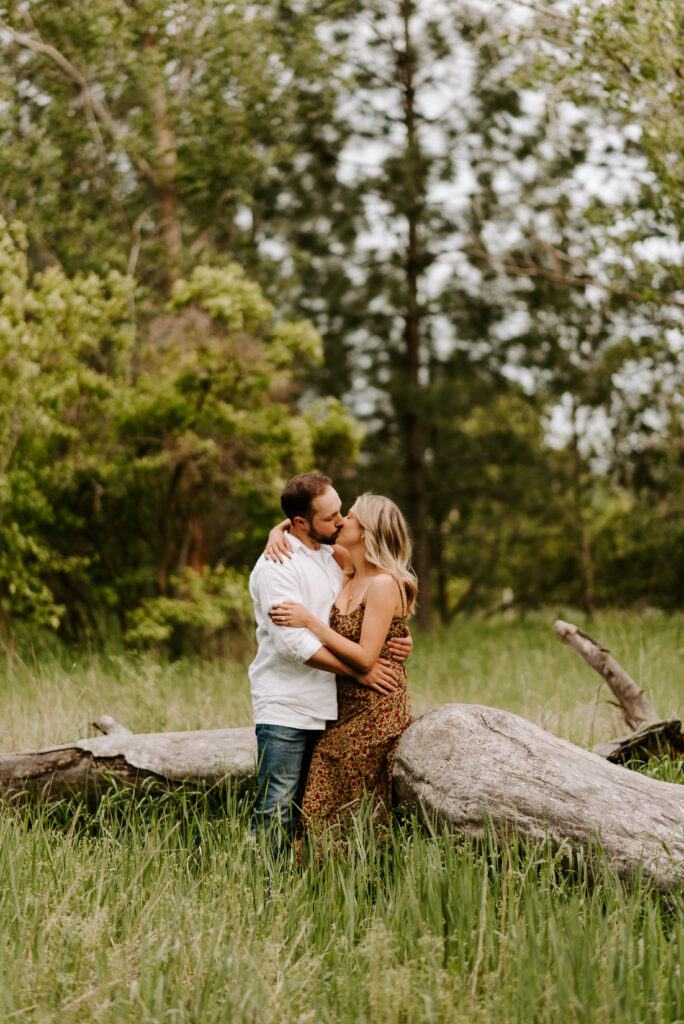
x=98 y=107
x=531 y=268
x=186 y=70
x=636 y=709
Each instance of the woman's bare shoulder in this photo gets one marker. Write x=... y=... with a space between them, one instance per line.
x=384 y=587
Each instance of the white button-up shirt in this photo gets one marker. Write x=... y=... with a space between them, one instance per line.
x=286 y=691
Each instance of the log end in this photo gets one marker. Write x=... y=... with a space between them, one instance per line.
x=564 y=629
x=651 y=738
x=110 y=727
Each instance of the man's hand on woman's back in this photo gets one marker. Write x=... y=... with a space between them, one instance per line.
x=381 y=678
x=400 y=647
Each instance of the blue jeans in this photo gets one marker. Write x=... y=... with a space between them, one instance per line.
x=284 y=755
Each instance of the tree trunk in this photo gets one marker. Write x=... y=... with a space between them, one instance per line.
x=441 y=573
x=648 y=741
x=166 y=165
x=414 y=443
x=586 y=560
x=464 y=765
x=468 y=766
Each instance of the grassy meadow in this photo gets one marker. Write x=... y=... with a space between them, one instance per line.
x=164 y=908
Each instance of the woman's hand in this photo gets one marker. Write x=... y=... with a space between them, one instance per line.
x=291 y=613
x=278 y=546
x=400 y=647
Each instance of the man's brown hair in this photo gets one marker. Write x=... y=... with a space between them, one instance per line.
x=299 y=493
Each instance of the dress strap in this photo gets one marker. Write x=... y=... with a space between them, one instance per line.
x=402 y=595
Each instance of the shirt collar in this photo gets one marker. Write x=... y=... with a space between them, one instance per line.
x=297 y=544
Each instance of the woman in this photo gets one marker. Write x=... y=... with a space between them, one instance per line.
x=353 y=758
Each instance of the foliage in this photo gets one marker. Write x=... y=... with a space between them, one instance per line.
x=576 y=296
x=206 y=604
x=488 y=276
x=147 y=134
x=131 y=455
x=62 y=343
x=480 y=214
x=402 y=330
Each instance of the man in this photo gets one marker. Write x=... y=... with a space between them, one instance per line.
x=292 y=676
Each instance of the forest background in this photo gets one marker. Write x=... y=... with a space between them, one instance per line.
x=433 y=249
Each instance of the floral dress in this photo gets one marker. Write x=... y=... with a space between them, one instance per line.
x=354 y=756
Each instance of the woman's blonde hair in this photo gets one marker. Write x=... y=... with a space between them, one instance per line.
x=388 y=544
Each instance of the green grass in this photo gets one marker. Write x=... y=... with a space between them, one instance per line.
x=165 y=909
x=522 y=667
x=51 y=694
x=156 y=908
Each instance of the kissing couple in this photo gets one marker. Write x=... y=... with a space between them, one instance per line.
x=331 y=597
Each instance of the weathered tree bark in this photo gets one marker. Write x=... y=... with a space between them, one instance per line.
x=648 y=741
x=89 y=767
x=636 y=710
x=651 y=734
x=465 y=765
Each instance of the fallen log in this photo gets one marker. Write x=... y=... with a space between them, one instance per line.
x=467 y=765
x=89 y=767
x=636 y=709
x=651 y=734
x=462 y=764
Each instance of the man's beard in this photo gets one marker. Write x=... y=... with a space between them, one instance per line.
x=320 y=539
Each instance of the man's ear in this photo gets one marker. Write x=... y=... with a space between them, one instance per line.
x=300 y=523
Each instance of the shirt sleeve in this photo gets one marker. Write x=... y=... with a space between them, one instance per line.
x=275 y=583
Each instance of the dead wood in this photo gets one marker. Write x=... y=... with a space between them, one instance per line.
x=651 y=734
x=469 y=765
x=89 y=766
x=648 y=741
x=636 y=709
x=462 y=764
